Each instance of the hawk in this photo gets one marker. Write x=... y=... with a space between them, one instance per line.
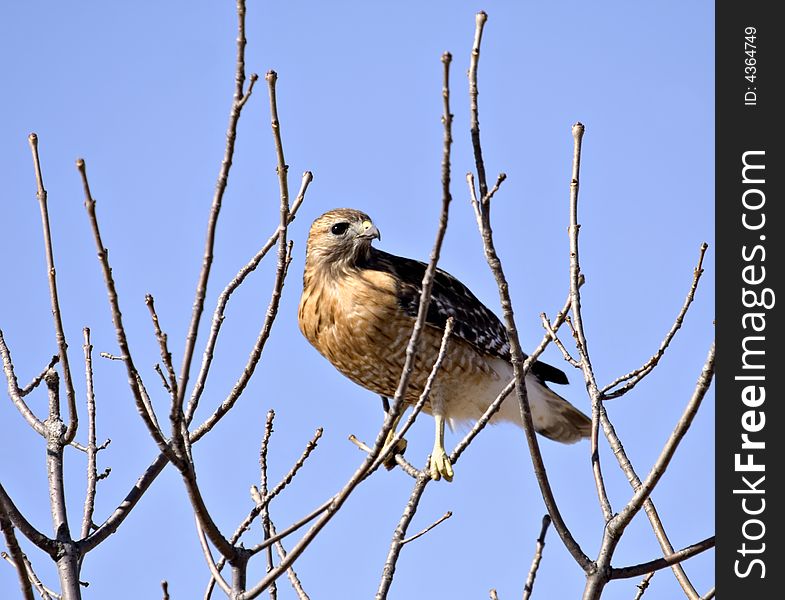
x=359 y=305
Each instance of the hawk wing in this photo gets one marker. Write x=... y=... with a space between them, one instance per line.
x=475 y=324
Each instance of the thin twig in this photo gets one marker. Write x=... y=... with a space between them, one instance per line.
x=437 y=522
x=634 y=377
x=223 y=299
x=62 y=345
x=265 y=510
x=38 y=378
x=326 y=507
x=649 y=509
x=208 y=555
x=576 y=323
x=166 y=355
x=616 y=526
x=287 y=479
x=43 y=591
x=274 y=537
x=92 y=448
x=19 y=521
x=664 y=562
x=546 y=324
x=122 y=340
x=164 y=382
x=282 y=269
x=482 y=211
x=124 y=508
x=241 y=96
x=527 y=589
x=15 y=556
x=643 y=585
x=661 y=464
x=16 y=395
x=520 y=368
x=297 y=585
x=480 y=19
x=388 y=572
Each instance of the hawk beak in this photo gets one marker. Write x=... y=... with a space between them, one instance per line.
x=368 y=231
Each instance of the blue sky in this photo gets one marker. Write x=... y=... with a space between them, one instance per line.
x=142 y=92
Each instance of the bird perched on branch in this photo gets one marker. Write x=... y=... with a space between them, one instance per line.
x=359 y=305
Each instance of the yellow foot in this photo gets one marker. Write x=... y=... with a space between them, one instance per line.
x=400 y=447
x=440 y=465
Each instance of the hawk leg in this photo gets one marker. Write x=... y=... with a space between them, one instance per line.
x=400 y=447
x=440 y=462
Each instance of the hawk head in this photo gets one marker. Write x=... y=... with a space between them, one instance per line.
x=340 y=237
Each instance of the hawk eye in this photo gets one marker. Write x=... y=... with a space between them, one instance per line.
x=339 y=228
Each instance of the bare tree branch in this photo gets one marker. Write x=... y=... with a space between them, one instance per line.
x=662 y=563
x=598 y=577
x=62 y=345
x=388 y=572
x=241 y=96
x=223 y=299
x=19 y=521
x=546 y=324
x=527 y=589
x=16 y=394
x=282 y=270
x=67 y=558
x=297 y=586
x=658 y=469
x=265 y=511
x=92 y=448
x=166 y=355
x=16 y=556
x=634 y=377
x=474 y=112
x=208 y=555
x=43 y=591
x=654 y=519
x=134 y=378
x=643 y=585
x=124 y=508
x=577 y=324
x=436 y=523
x=482 y=210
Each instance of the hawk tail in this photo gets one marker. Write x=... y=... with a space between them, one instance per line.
x=553 y=416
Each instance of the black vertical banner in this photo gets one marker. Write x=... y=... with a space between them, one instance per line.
x=751 y=260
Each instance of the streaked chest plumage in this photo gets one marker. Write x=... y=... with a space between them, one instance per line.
x=355 y=322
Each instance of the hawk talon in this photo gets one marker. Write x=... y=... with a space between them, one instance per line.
x=400 y=447
x=440 y=465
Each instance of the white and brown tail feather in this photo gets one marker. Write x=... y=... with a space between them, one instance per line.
x=553 y=416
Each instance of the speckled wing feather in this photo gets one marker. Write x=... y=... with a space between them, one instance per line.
x=474 y=322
